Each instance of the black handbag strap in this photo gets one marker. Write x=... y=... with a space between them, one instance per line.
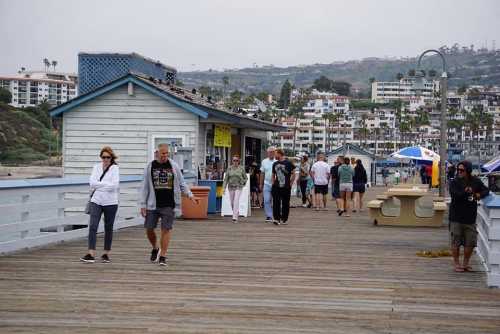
x=100 y=179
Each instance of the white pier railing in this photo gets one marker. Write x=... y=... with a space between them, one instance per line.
x=39 y=212
x=488 y=248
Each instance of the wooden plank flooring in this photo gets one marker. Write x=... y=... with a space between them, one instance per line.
x=320 y=274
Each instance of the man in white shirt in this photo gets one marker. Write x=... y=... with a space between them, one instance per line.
x=266 y=174
x=320 y=173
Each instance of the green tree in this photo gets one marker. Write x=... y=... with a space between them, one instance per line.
x=285 y=94
x=341 y=88
x=462 y=89
x=225 y=84
x=235 y=100
x=5 y=96
x=262 y=96
x=323 y=84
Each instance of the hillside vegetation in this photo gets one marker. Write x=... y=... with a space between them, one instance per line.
x=465 y=66
x=26 y=135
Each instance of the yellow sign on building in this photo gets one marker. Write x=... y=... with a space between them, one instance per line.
x=222 y=135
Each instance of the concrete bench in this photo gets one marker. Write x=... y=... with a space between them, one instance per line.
x=383 y=197
x=384 y=212
x=375 y=204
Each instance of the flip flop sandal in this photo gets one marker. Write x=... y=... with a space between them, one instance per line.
x=468 y=269
x=459 y=269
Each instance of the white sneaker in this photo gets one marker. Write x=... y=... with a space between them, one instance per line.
x=304 y=205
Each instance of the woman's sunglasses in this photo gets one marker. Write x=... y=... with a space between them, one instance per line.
x=105 y=157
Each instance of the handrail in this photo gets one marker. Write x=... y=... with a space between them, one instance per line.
x=488 y=227
x=39 y=212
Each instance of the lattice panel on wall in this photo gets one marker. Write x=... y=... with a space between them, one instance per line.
x=95 y=70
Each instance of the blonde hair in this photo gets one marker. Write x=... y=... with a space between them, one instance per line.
x=109 y=151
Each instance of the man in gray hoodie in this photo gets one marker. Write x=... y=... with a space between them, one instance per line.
x=160 y=198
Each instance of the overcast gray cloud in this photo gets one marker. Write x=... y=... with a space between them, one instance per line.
x=196 y=34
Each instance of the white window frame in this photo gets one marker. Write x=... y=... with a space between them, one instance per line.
x=153 y=137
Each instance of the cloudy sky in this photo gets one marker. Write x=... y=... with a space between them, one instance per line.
x=218 y=34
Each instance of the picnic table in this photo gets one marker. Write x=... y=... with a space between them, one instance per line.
x=409 y=213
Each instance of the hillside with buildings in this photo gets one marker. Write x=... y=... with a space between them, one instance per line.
x=466 y=66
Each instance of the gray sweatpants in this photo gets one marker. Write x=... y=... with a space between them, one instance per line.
x=96 y=212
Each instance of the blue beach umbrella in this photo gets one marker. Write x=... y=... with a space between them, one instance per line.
x=415 y=153
x=491 y=166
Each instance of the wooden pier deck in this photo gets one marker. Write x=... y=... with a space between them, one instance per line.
x=320 y=274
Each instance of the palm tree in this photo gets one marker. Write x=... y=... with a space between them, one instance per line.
x=332 y=118
x=46 y=62
x=327 y=133
x=54 y=64
x=363 y=129
x=225 y=83
x=297 y=112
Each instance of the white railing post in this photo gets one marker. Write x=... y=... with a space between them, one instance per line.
x=488 y=249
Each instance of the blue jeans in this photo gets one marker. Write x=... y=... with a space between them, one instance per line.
x=268 y=204
x=96 y=212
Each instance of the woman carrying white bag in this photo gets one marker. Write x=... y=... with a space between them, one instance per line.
x=235 y=179
x=104 y=186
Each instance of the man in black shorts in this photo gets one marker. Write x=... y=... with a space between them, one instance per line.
x=320 y=173
x=160 y=198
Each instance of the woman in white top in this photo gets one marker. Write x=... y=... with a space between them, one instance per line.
x=104 y=185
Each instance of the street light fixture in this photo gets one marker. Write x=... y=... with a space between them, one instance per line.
x=419 y=86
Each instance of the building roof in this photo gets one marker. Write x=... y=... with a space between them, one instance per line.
x=346 y=148
x=132 y=55
x=54 y=77
x=185 y=99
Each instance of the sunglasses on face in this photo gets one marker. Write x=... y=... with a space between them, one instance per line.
x=461 y=170
x=106 y=157
x=236 y=160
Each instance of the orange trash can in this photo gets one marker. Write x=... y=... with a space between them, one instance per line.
x=191 y=210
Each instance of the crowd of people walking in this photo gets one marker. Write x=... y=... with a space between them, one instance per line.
x=163 y=184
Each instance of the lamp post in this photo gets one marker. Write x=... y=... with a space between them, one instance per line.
x=420 y=85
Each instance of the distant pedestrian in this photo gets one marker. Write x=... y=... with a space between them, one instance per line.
x=104 y=185
x=360 y=179
x=304 y=178
x=428 y=175
x=266 y=168
x=235 y=179
x=334 y=175
x=160 y=198
x=404 y=175
x=397 y=176
x=385 y=175
x=346 y=174
x=320 y=172
x=254 y=172
x=423 y=174
x=451 y=172
x=282 y=178
x=465 y=191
